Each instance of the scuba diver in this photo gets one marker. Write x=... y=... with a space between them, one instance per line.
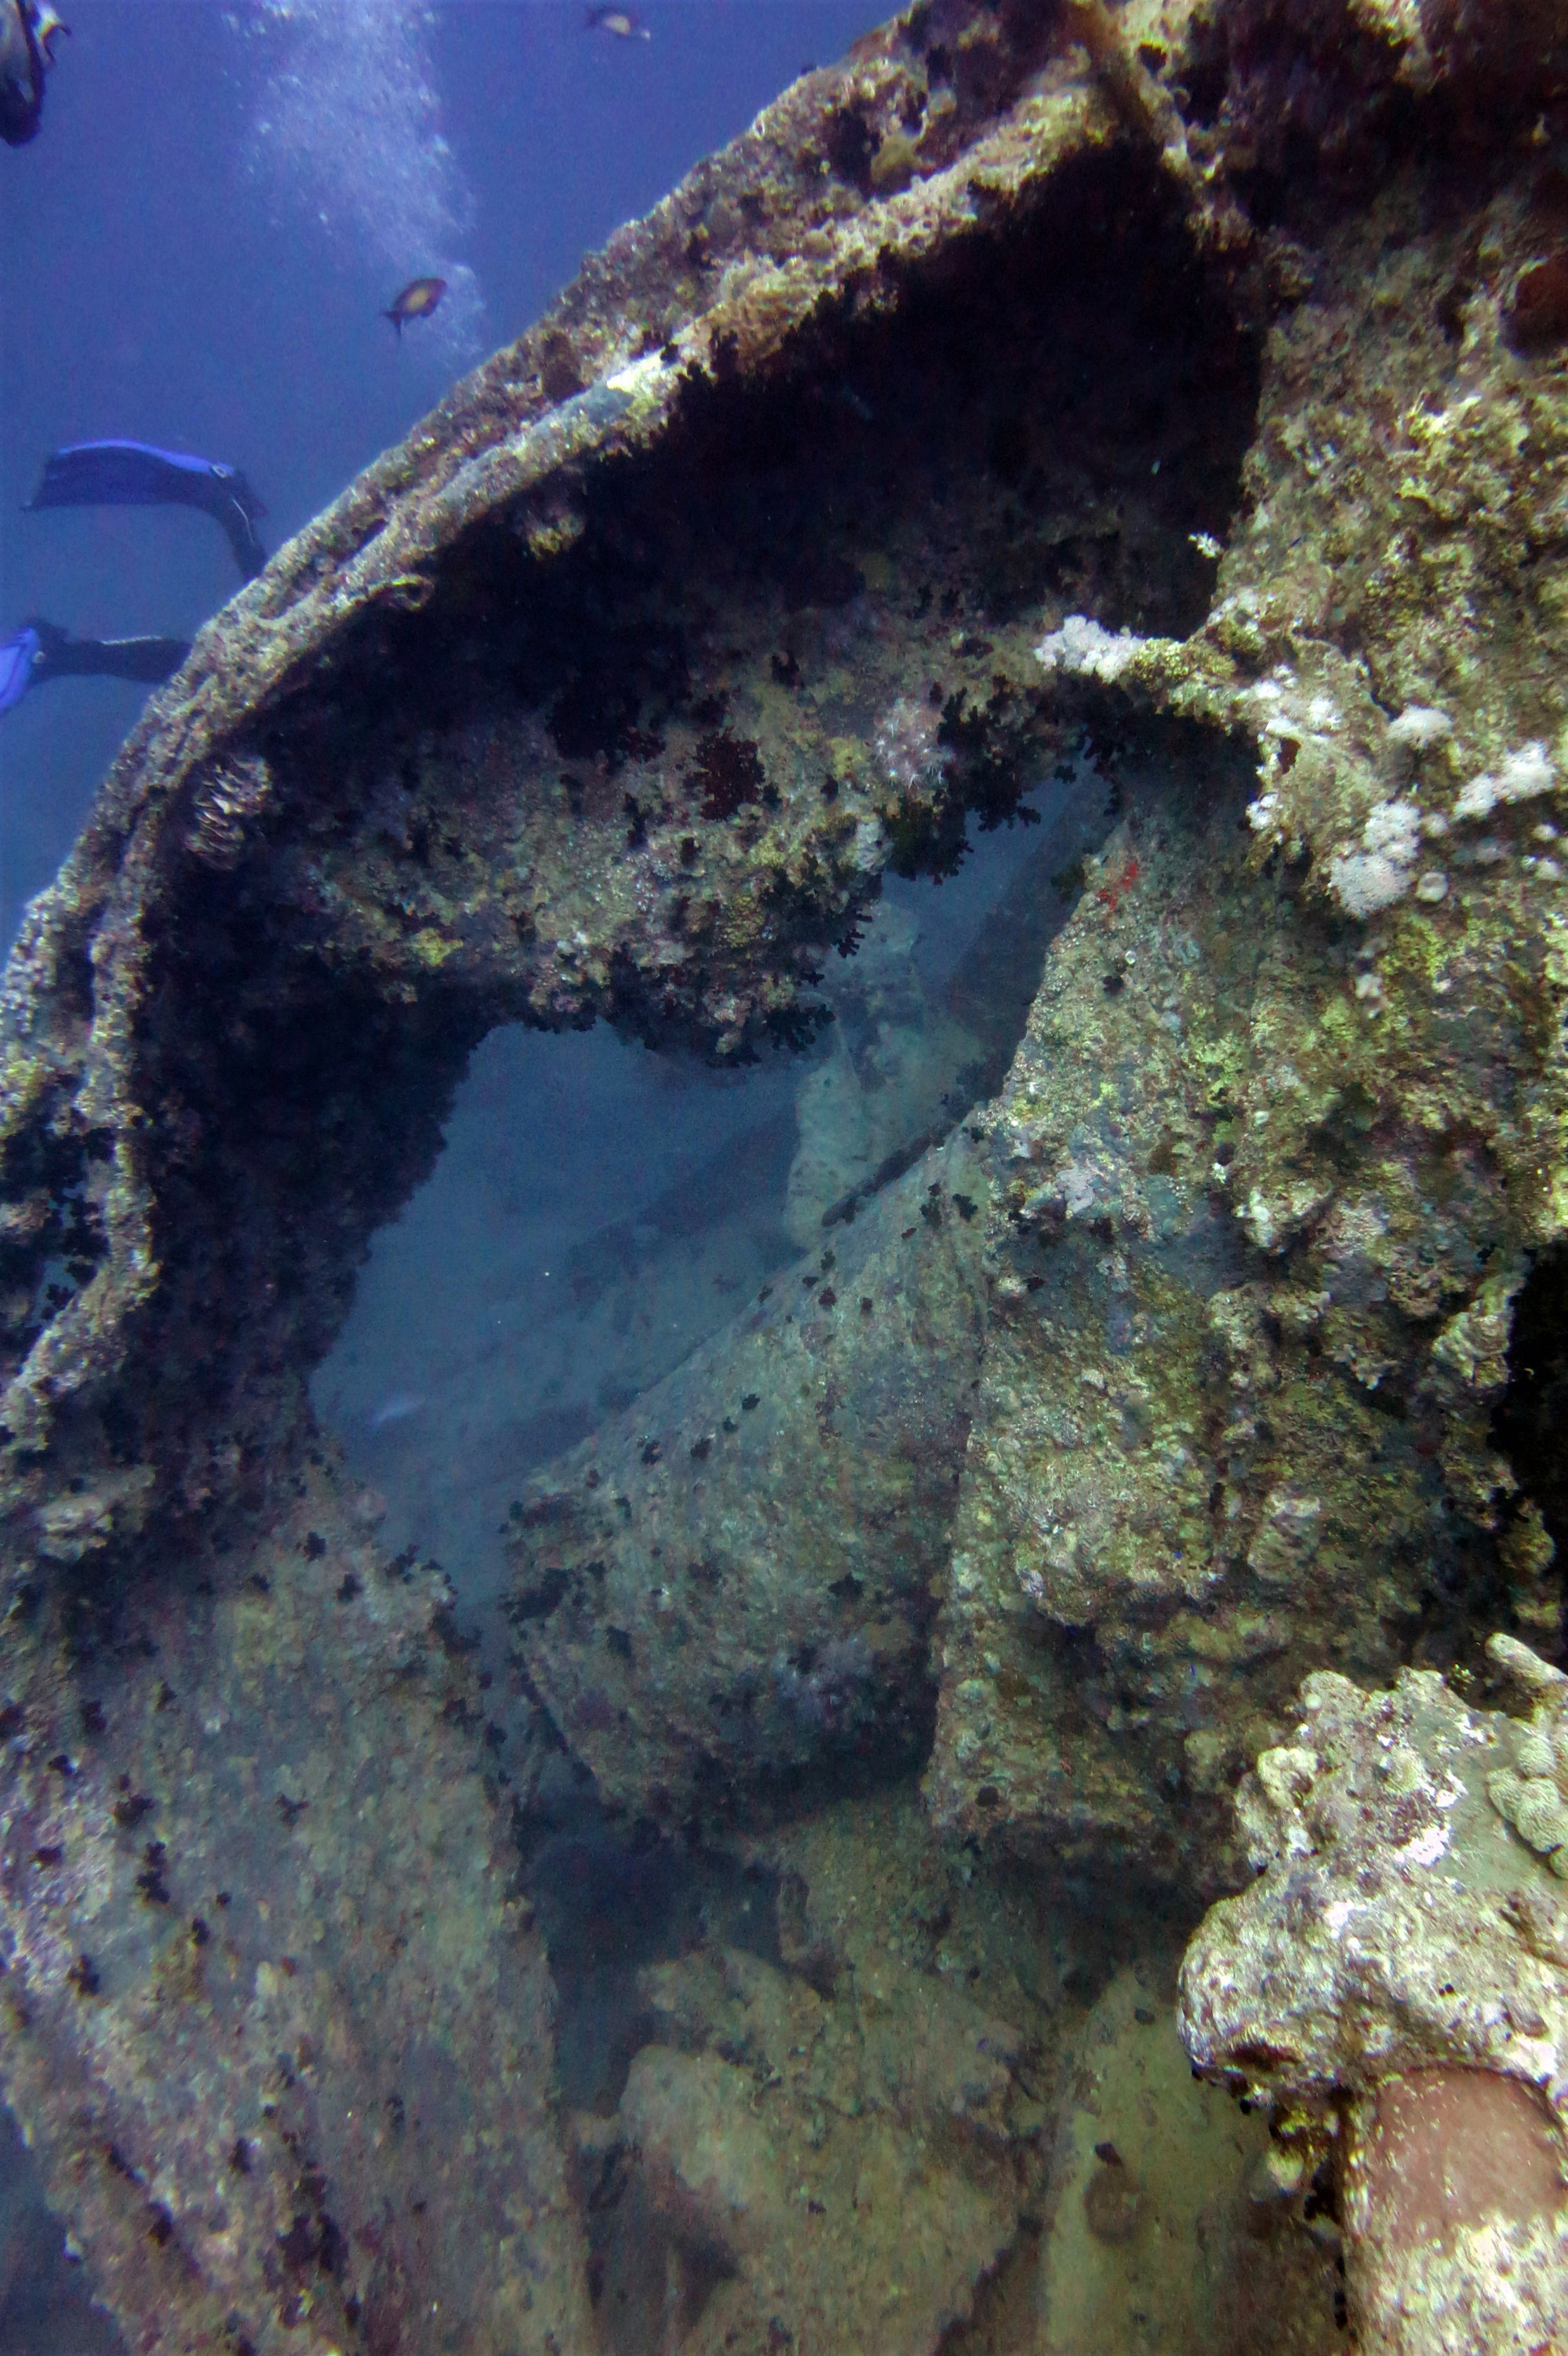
x=42 y=650
x=28 y=30
x=134 y=474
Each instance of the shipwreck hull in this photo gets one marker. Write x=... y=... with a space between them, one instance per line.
x=610 y=695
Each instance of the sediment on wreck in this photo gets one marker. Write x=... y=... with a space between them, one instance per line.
x=1236 y=393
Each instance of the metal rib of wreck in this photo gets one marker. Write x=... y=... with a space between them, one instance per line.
x=728 y=1591
x=610 y=693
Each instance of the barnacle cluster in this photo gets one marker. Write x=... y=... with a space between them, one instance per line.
x=225 y=803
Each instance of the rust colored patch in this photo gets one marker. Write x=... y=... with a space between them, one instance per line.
x=1451 y=2146
x=1112 y=893
x=1538 y=312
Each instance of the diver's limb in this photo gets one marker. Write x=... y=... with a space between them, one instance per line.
x=41 y=650
x=242 y=537
x=21 y=65
x=60 y=656
x=136 y=473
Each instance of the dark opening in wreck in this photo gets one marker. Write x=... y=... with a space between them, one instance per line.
x=1528 y=1426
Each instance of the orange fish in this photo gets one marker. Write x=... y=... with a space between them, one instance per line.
x=417 y=301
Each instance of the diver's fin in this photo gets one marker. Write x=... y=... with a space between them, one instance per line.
x=21 y=80
x=243 y=538
x=60 y=656
x=152 y=659
x=52 y=642
x=19 y=667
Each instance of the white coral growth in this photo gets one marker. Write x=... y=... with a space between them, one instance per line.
x=1418 y=727
x=1529 y=1794
x=1379 y=872
x=908 y=746
x=1083 y=649
x=1523 y=775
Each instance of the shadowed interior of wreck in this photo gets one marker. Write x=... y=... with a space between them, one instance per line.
x=598 y=1210
x=1532 y=1414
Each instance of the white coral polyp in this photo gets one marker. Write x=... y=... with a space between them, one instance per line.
x=1380 y=872
x=1527 y=773
x=1479 y=799
x=908 y=746
x=1523 y=775
x=1419 y=726
x=1393 y=830
x=1364 y=883
x=1083 y=649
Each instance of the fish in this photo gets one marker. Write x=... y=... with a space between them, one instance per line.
x=28 y=31
x=624 y=24
x=135 y=474
x=417 y=301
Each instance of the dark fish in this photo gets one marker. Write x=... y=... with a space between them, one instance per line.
x=622 y=23
x=28 y=30
x=417 y=301
x=135 y=475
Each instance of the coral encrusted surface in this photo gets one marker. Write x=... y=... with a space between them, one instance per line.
x=1175 y=396
x=1401 y=1930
